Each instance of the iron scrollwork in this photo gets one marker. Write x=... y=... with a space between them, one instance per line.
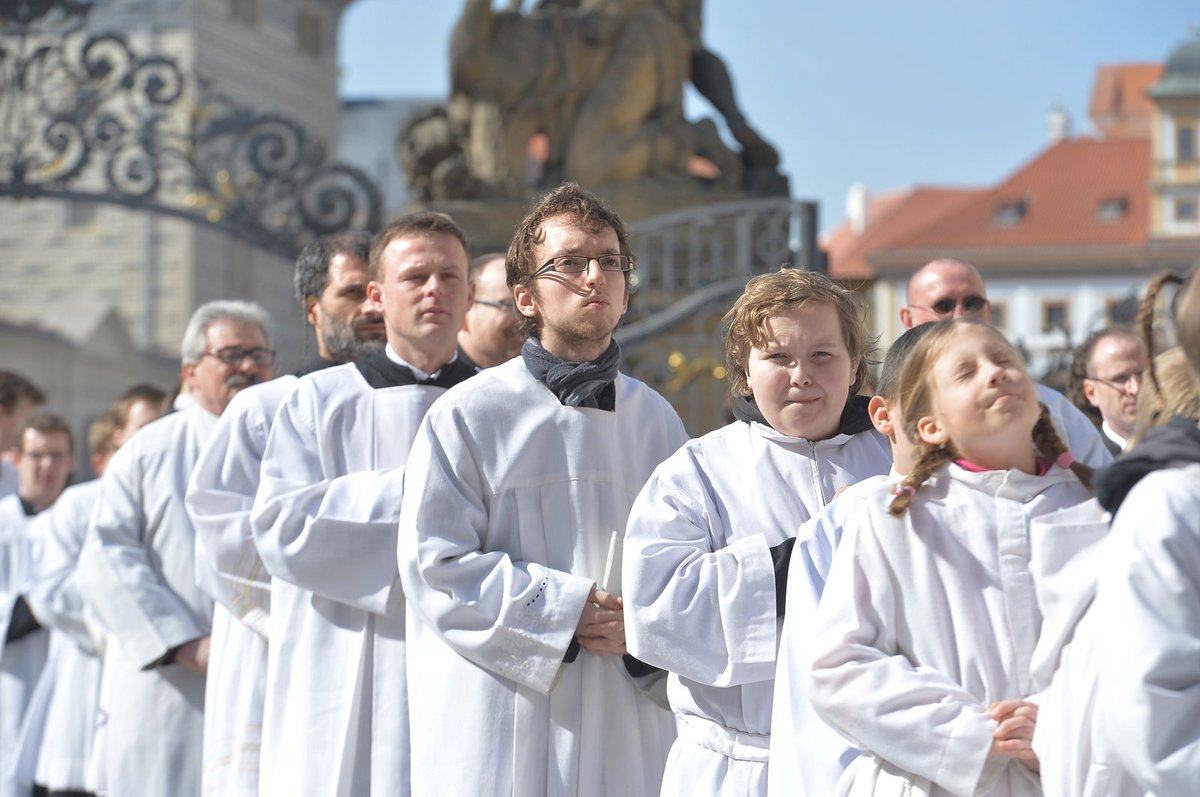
x=83 y=115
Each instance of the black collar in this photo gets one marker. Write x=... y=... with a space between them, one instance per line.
x=382 y=371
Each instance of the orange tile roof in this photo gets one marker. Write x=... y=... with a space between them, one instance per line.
x=891 y=217
x=1062 y=189
x=1119 y=107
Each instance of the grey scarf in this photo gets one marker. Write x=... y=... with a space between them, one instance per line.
x=587 y=384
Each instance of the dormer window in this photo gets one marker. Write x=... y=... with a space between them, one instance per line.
x=1185 y=144
x=1010 y=212
x=1112 y=209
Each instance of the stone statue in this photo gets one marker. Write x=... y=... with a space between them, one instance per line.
x=600 y=83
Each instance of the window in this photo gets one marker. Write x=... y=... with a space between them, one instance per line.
x=1185 y=209
x=1121 y=311
x=1185 y=143
x=1056 y=315
x=1009 y=213
x=308 y=32
x=1000 y=315
x=1112 y=209
x=245 y=11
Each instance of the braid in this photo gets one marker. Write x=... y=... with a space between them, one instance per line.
x=1046 y=438
x=929 y=459
x=1145 y=319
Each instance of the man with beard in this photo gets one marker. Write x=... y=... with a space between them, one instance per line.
x=490 y=333
x=331 y=284
x=519 y=483
x=324 y=521
x=137 y=568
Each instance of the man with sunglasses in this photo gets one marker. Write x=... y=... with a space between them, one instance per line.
x=946 y=288
x=515 y=500
x=138 y=571
x=490 y=333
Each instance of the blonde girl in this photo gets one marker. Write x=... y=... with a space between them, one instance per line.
x=926 y=631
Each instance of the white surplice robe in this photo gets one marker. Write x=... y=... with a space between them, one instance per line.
x=324 y=521
x=926 y=620
x=1077 y=431
x=66 y=738
x=137 y=570
x=1149 y=597
x=700 y=589
x=807 y=756
x=21 y=662
x=219 y=499
x=510 y=503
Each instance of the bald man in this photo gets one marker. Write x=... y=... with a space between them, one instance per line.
x=947 y=288
x=490 y=335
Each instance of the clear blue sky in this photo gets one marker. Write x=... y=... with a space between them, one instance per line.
x=893 y=94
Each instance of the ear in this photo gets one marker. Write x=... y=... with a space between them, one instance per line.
x=186 y=372
x=881 y=416
x=1089 y=392
x=375 y=292
x=525 y=300
x=310 y=311
x=931 y=431
x=906 y=318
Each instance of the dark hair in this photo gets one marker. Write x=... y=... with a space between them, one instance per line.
x=45 y=423
x=14 y=387
x=142 y=392
x=312 y=265
x=424 y=222
x=893 y=362
x=1081 y=360
x=583 y=209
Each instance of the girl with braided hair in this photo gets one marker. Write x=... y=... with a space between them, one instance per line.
x=925 y=639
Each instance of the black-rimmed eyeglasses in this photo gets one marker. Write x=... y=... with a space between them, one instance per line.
x=577 y=264
x=970 y=304
x=235 y=355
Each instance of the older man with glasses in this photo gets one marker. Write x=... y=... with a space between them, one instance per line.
x=947 y=288
x=490 y=333
x=1107 y=370
x=137 y=569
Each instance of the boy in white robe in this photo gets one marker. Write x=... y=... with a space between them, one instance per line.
x=331 y=279
x=517 y=483
x=324 y=522
x=137 y=568
x=704 y=571
x=44 y=458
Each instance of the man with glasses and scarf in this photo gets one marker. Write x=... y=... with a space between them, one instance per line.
x=515 y=501
x=137 y=567
x=948 y=288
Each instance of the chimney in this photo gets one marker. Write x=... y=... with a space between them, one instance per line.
x=858 y=199
x=1058 y=124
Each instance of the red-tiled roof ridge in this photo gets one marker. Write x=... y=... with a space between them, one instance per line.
x=1063 y=187
x=1119 y=107
x=891 y=216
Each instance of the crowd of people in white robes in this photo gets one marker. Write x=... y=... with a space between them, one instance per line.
x=434 y=566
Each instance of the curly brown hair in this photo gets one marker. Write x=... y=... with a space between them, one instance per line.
x=770 y=295
x=583 y=209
